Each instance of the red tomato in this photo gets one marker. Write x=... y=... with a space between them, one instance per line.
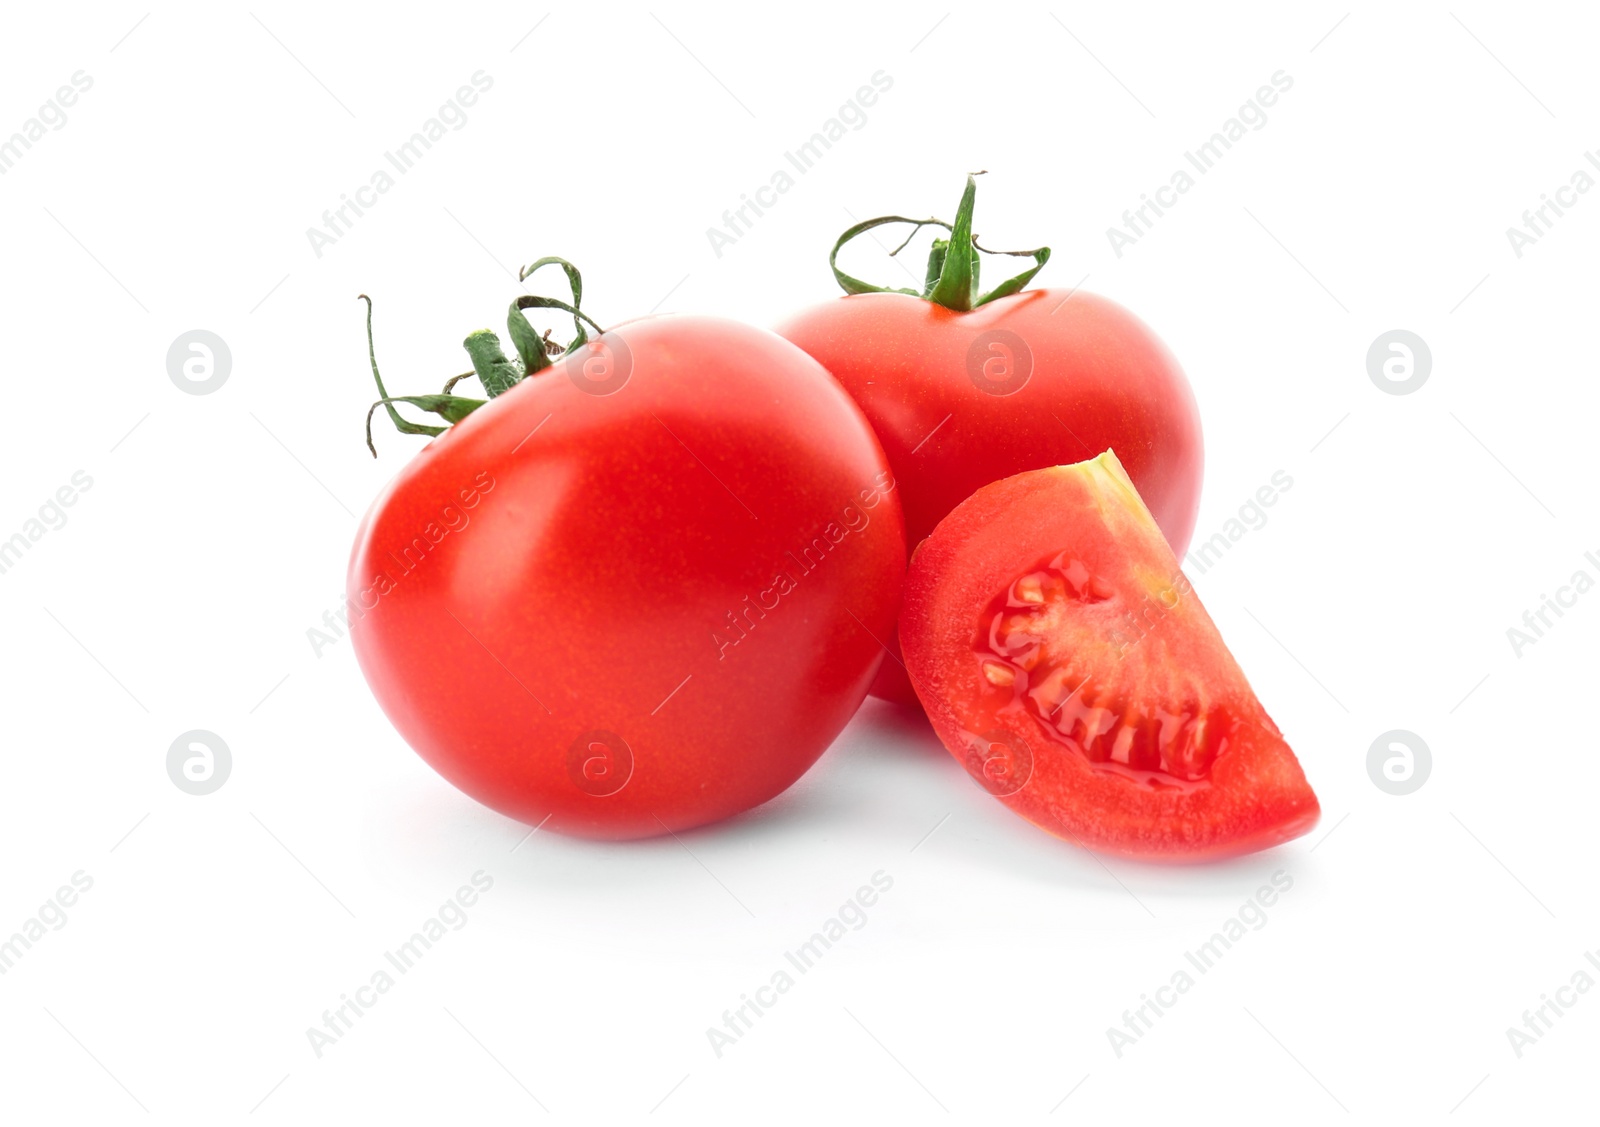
x=1068 y=664
x=640 y=590
x=961 y=398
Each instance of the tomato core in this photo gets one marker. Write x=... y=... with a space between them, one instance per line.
x=1033 y=653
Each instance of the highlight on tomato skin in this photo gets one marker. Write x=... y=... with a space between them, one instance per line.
x=1065 y=660
x=636 y=590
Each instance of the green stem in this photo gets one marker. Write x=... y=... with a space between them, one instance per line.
x=528 y=343
x=451 y=408
x=372 y=355
x=958 y=274
x=495 y=371
x=856 y=285
x=953 y=263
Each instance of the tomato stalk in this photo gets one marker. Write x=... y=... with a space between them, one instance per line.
x=953 y=263
x=494 y=370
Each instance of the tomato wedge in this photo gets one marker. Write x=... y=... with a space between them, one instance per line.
x=1067 y=663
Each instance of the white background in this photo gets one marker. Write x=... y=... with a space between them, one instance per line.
x=179 y=594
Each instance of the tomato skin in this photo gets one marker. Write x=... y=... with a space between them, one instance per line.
x=1099 y=379
x=1144 y=655
x=549 y=589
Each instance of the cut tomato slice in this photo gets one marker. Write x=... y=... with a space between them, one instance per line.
x=1067 y=663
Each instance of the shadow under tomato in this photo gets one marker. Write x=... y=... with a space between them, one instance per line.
x=886 y=794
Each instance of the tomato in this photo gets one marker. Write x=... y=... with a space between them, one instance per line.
x=962 y=396
x=1064 y=659
x=636 y=591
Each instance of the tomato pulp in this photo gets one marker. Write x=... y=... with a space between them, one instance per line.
x=1064 y=659
x=639 y=591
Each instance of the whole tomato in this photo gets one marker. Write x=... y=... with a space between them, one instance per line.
x=964 y=389
x=641 y=588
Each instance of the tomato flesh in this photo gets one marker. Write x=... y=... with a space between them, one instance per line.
x=1066 y=661
x=1162 y=743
